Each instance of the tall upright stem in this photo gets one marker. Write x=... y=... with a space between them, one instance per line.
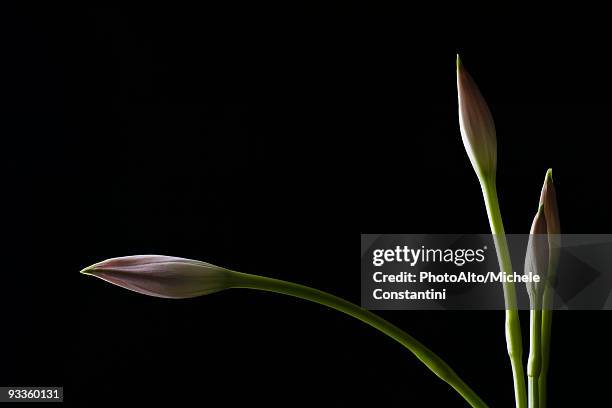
x=513 y=326
x=428 y=357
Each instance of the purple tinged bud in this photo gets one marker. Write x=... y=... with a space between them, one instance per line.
x=162 y=276
x=548 y=199
x=537 y=258
x=476 y=125
x=544 y=246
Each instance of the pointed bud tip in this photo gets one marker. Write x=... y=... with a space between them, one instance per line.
x=90 y=270
x=458 y=62
x=549 y=175
x=86 y=271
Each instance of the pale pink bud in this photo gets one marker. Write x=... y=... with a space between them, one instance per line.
x=162 y=276
x=537 y=258
x=476 y=125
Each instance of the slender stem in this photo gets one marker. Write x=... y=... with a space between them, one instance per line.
x=543 y=380
x=534 y=363
x=513 y=326
x=429 y=358
x=546 y=334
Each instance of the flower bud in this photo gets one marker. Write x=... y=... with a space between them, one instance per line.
x=548 y=199
x=537 y=258
x=476 y=125
x=162 y=276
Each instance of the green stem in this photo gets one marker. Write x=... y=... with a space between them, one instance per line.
x=546 y=334
x=534 y=363
x=429 y=358
x=513 y=326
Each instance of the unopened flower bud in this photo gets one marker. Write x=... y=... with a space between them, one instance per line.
x=476 y=125
x=537 y=258
x=548 y=200
x=162 y=276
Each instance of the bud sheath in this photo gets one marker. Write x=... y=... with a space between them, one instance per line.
x=476 y=125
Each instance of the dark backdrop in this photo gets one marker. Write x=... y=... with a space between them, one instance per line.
x=268 y=145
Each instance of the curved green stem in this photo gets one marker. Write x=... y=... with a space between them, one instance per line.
x=513 y=326
x=535 y=358
x=429 y=358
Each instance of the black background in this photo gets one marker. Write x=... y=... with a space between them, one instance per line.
x=268 y=145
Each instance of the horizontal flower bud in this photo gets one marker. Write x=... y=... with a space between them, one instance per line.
x=162 y=276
